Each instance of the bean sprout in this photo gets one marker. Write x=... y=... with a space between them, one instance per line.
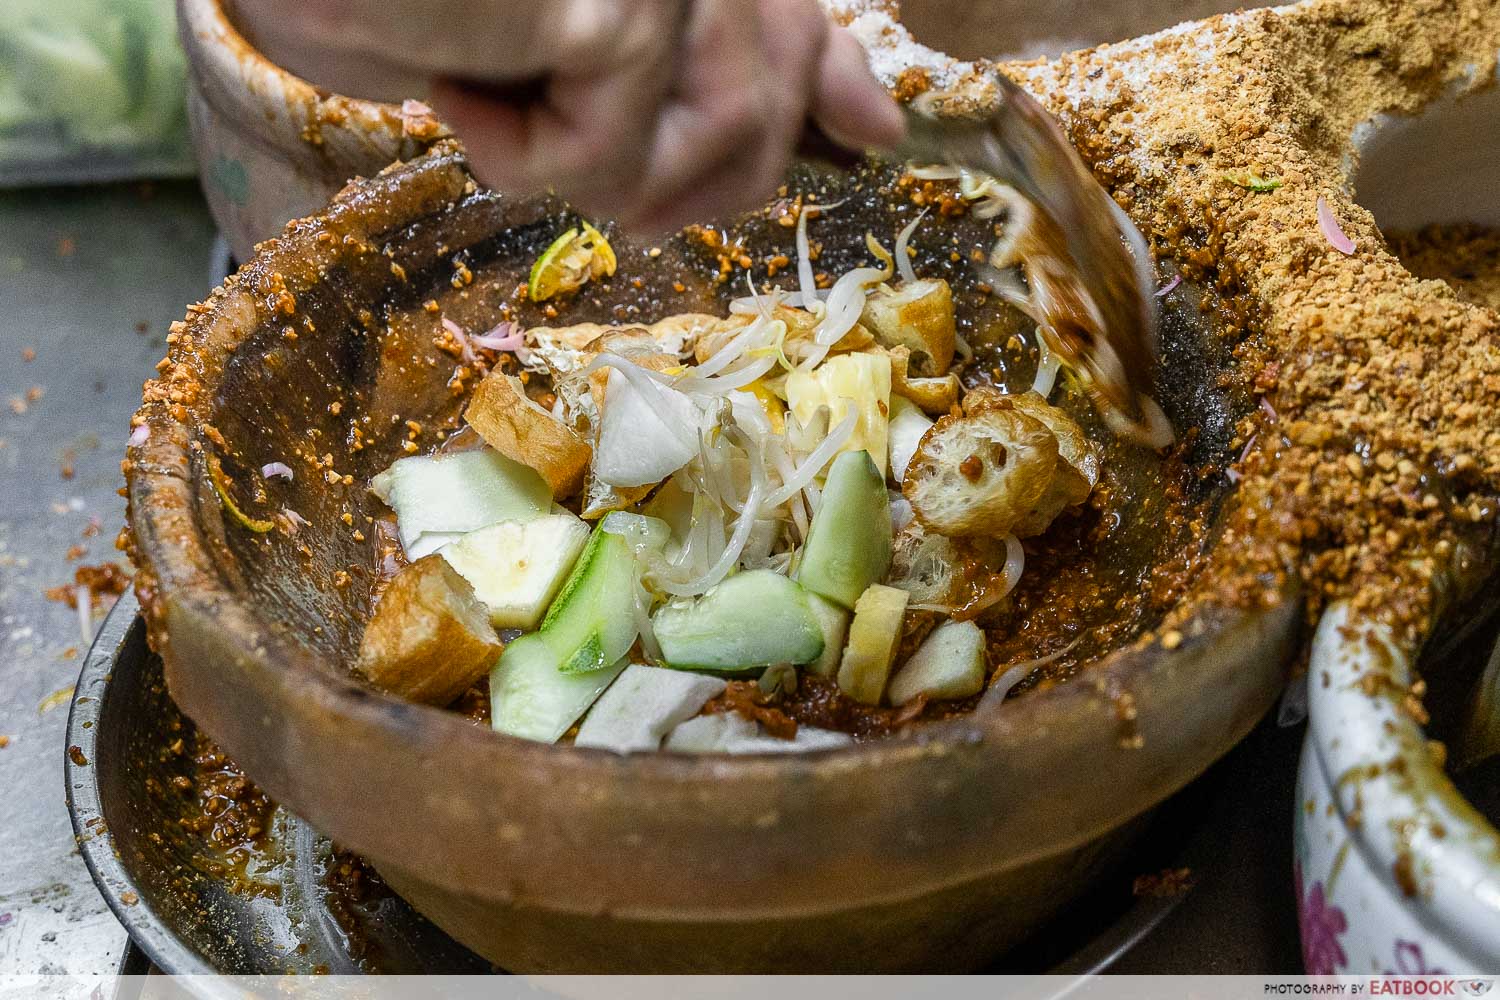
x=730 y=555
x=903 y=257
x=814 y=463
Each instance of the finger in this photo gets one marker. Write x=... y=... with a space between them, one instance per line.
x=588 y=138
x=470 y=39
x=725 y=144
x=736 y=182
x=849 y=103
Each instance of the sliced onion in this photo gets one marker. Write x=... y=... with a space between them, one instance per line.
x=903 y=257
x=814 y=463
x=140 y=435
x=462 y=337
x=504 y=337
x=277 y=470
x=1169 y=287
x=1331 y=229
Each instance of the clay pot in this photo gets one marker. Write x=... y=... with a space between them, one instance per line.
x=933 y=851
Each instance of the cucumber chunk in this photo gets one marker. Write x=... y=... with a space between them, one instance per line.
x=517 y=568
x=948 y=665
x=746 y=623
x=849 y=544
x=592 y=622
x=834 y=621
x=438 y=498
x=873 y=636
x=644 y=534
x=532 y=699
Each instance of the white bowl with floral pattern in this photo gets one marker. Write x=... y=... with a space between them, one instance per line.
x=1396 y=874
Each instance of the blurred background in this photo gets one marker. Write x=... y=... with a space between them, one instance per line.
x=91 y=90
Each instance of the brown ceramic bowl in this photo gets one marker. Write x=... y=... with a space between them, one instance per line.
x=935 y=850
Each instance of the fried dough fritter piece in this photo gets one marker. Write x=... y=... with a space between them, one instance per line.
x=516 y=427
x=981 y=474
x=917 y=315
x=430 y=638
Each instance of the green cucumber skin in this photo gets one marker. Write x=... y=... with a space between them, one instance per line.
x=531 y=699
x=576 y=579
x=586 y=658
x=591 y=623
x=748 y=622
x=849 y=544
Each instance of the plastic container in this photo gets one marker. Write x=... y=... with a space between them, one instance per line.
x=91 y=90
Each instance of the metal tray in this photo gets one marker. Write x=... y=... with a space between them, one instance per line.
x=187 y=911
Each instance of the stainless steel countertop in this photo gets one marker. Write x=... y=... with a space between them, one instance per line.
x=89 y=280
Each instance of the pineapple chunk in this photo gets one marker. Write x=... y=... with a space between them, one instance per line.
x=948 y=665
x=918 y=315
x=874 y=634
x=858 y=383
x=517 y=568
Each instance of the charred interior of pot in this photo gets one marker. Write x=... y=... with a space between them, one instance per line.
x=376 y=363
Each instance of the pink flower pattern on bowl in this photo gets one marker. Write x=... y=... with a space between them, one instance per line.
x=1411 y=962
x=1322 y=924
x=1394 y=874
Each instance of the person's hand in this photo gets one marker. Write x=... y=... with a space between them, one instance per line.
x=655 y=112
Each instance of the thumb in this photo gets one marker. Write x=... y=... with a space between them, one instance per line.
x=849 y=103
